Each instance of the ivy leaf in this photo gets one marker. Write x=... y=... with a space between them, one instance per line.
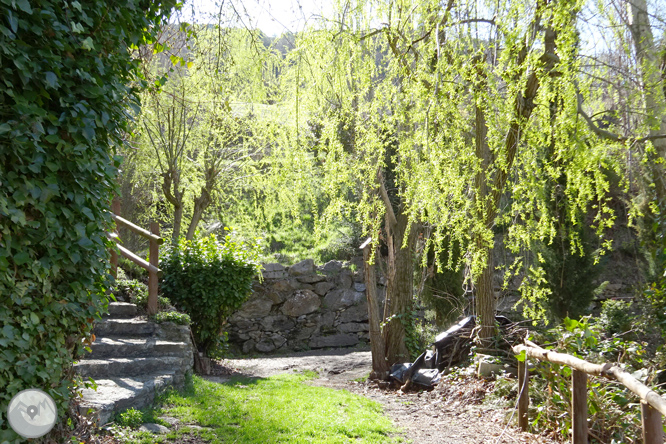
x=24 y=5
x=34 y=318
x=51 y=79
x=88 y=44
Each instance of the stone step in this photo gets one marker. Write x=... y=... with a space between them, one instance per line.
x=114 y=395
x=124 y=347
x=122 y=367
x=122 y=310
x=124 y=327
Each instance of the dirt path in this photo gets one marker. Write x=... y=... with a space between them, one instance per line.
x=449 y=414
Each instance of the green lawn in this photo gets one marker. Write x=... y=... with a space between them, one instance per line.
x=280 y=409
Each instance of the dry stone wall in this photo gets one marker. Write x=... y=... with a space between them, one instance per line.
x=304 y=307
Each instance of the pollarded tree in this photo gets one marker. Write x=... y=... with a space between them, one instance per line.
x=194 y=138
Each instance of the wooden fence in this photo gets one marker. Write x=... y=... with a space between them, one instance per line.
x=153 y=236
x=653 y=406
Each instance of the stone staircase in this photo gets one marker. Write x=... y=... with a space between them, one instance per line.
x=131 y=360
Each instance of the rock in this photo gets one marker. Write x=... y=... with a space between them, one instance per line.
x=265 y=346
x=352 y=327
x=278 y=340
x=359 y=287
x=277 y=323
x=257 y=307
x=323 y=287
x=248 y=346
x=286 y=285
x=302 y=268
x=274 y=271
x=340 y=340
x=276 y=297
x=337 y=299
x=302 y=302
x=332 y=267
x=244 y=325
x=357 y=313
x=170 y=420
x=326 y=320
x=311 y=278
x=304 y=333
x=153 y=428
x=256 y=335
x=345 y=280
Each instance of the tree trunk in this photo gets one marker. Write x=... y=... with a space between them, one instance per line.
x=653 y=88
x=485 y=295
x=177 y=221
x=201 y=203
x=400 y=271
x=379 y=365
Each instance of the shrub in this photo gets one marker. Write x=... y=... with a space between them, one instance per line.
x=614 y=413
x=209 y=279
x=172 y=316
x=616 y=316
x=66 y=71
x=131 y=418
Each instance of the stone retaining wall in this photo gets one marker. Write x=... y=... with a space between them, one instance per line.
x=304 y=307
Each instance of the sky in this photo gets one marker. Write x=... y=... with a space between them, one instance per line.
x=273 y=17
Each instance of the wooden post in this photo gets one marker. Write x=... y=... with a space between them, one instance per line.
x=380 y=367
x=653 y=432
x=152 y=275
x=523 y=394
x=579 y=407
x=115 y=209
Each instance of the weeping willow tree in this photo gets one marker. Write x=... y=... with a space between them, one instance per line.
x=462 y=116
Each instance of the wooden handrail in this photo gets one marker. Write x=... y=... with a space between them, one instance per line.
x=154 y=273
x=652 y=403
x=138 y=230
x=134 y=258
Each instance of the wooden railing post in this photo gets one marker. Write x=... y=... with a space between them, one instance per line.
x=579 y=407
x=152 y=275
x=523 y=394
x=653 y=432
x=115 y=208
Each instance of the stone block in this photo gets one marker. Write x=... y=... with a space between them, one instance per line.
x=339 y=340
x=274 y=271
x=286 y=285
x=338 y=299
x=359 y=287
x=248 y=346
x=323 y=287
x=331 y=267
x=357 y=313
x=277 y=323
x=265 y=346
x=353 y=327
x=300 y=303
x=257 y=306
x=311 y=278
x=302 y=268
x=345 y=280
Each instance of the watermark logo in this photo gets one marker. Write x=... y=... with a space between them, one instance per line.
x=32 y=413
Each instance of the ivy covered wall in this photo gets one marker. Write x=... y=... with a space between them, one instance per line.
x=65 y=86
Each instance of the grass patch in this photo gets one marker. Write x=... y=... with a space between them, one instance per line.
x=279 y=409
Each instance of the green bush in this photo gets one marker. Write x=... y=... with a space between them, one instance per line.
x=616 y=316
x=131 y=418
x=614 y=412
x=209 y=279
x=172 y=316
x=66 y=71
